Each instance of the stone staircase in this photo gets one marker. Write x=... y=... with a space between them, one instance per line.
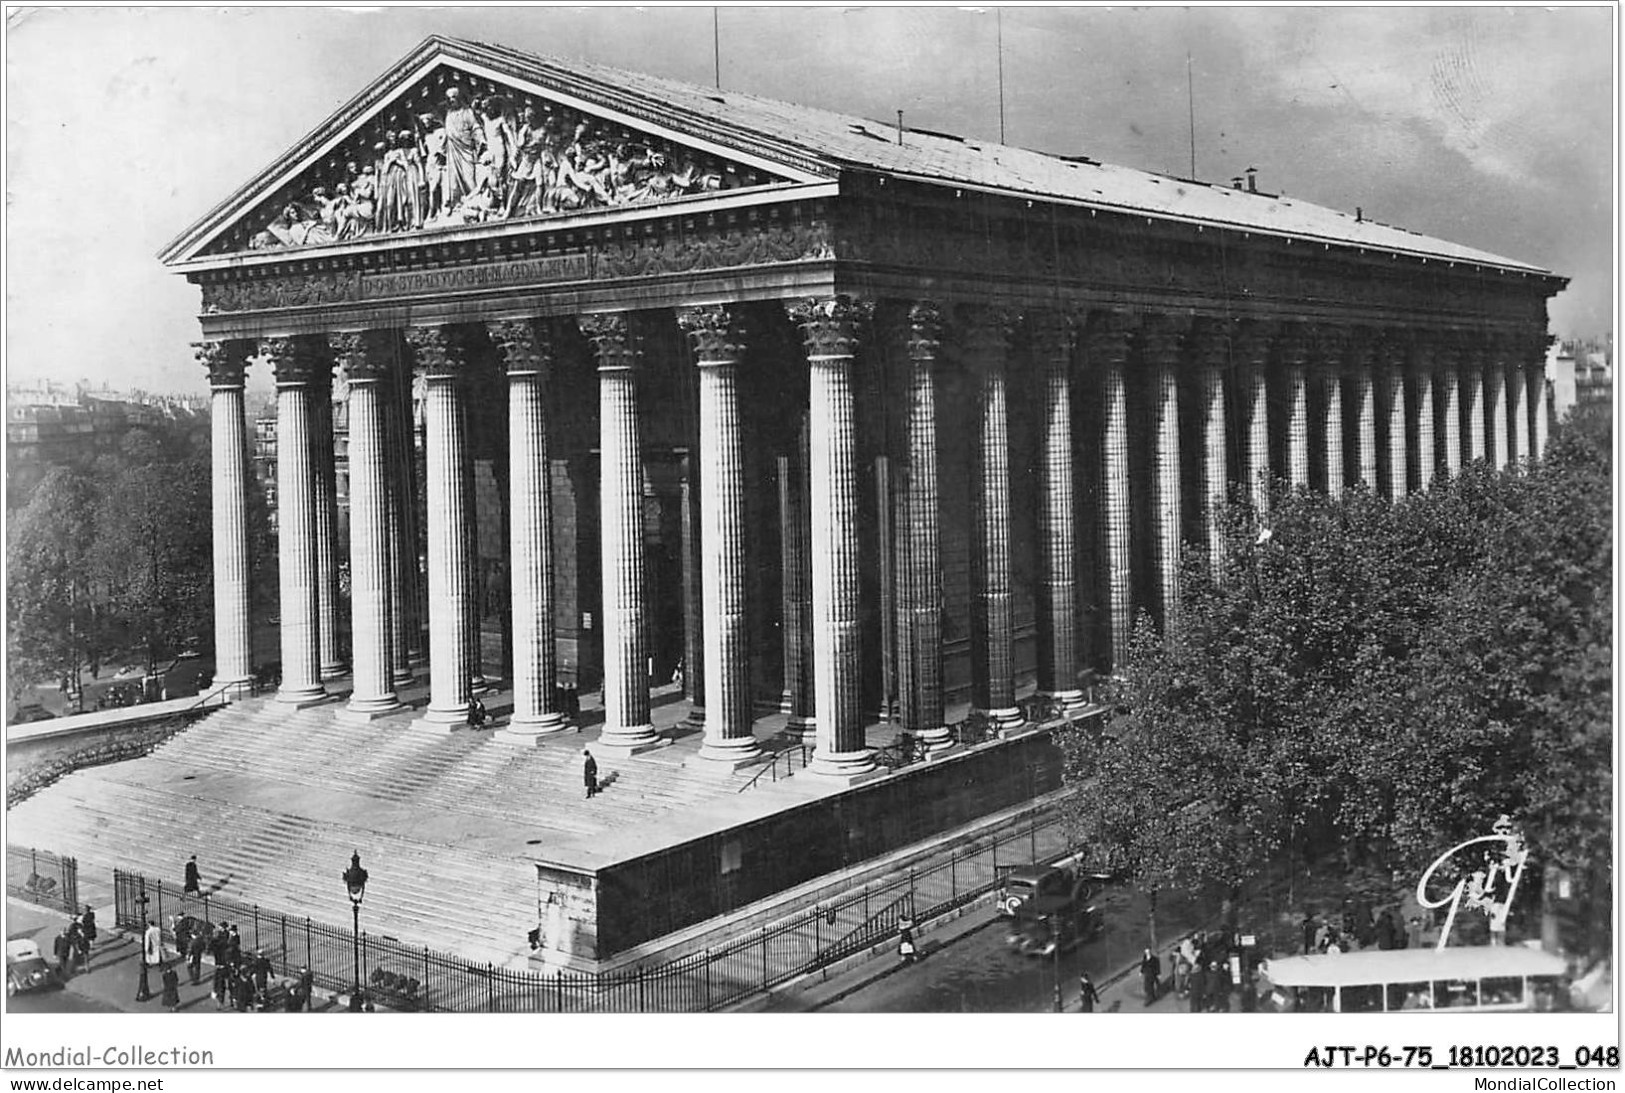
x=273 y=801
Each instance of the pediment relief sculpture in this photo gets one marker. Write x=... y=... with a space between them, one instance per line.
x=457 y=150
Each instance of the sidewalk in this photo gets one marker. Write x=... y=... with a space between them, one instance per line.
x=114 y=971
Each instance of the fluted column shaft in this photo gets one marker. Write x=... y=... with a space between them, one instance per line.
x=1161 y=342
x=1108 y=352
x=1057 y=599
x=527 y=349
x=450 y=567
x=1362 y=362
x=921 y=586
x=1213 y=360
x=1330 y=350
x=296 y=363
x=626 y=669
x=363 y=360
x=1294 y=355
x=1449 y=380
x=1472 y=376
x=993 y=686
x=794 y=531
x=1422 y=369
x=693 y=623
x=830 y=330
x=233 y=587
x=1517 y=396
x=1393 y=373
x=1495 y=398
x=718 y=344
x=1537 y=378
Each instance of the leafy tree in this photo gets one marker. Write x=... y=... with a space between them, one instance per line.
x=1373 y=681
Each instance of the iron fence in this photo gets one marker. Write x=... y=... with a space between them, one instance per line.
x=407 y=977
x=43 y=877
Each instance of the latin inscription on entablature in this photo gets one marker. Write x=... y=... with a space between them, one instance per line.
x=734 y=248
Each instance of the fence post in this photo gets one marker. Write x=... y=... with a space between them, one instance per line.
x=256 y=926
x=284 y=953
x=307 y=941
x=490 y=987
x=643 y=978
x=764 y=958
x=426 y=1005
x=953 y=876
x=818 y=942
x=207 y=920
x=160 y=907
x=708 y=981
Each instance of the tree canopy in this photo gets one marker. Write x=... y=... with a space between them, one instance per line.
x=1373 y=680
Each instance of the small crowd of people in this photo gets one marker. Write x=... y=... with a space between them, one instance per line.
x=72 y=946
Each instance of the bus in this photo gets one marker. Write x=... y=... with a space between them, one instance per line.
x=1454 y=980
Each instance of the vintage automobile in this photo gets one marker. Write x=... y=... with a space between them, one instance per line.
x=26 y=969
x=1063 y=879
x=1036 y=932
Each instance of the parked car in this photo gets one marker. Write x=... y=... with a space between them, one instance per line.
x=26 y=969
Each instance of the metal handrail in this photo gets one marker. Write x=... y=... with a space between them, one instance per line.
x=772 y=766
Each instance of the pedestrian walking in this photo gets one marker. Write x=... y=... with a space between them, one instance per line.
x=1150 y=975
x=589 y=772
x=307 y=987
x=1218 y=986
x=1181 y=972
x=245 y=991
x=1088 y=996
x=905 y=940
x=193 y=887
x=62 y=950
x=234 y=947
x=152 y=951
x=262 y=971
x=222 y=984
x=172 y=988
x=76 y=944
x=1308 y=929
x=194 y=953
x=87 y=931
x=1198 y=987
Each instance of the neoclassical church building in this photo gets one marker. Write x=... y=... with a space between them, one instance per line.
x=815 y=414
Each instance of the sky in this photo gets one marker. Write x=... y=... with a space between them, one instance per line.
x=1492 y=127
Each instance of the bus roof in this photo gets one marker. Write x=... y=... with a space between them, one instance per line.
x=1410 y=966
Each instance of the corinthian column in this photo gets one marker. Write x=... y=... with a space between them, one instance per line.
x=1362 y=363
x=921 y=584
x=1293 y=352
x=1517 y=404
x=1210 y=344
x=297 y=362
x=233 y=663
x=1393 y=373
x=1057 y=599
x=1329 y=349
x=718 y=345
x=1495 y=397
x=1161 y=340
x=1537 y=378
x=527 y=349
x=829 y=329
x=1472 y=376
x=1106 y=344
x=1252 y=350
x=1421 y=356
x=364 y=358
x=986 y=338
x=450 y=568
x=626 y=659
x=1446 y=360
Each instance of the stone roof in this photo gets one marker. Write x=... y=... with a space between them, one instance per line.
x=849 y=142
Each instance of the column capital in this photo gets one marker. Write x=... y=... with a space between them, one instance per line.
x=831 y=326
x=1106 y=335
x=364 y=355
x=1209 y=342
x=225 y=360
x=984 y=331
x=1253 y=339
x=923 y=330
x=613 y=340
x=1051 y=332
x=1293 y=345
x=1162 y=336
x=297 y=360
x=526 y=344
x=435 y=352
x=715 y=334
x=1329 y=345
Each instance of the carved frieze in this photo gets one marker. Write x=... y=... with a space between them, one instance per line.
x=294 y=290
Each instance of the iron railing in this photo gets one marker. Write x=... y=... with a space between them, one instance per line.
x=407 y=977
x=783 y=764
x=43 y=877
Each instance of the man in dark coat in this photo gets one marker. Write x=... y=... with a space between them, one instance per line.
x=234 y=948
x=193 y=887
x=245 y=991
x=589 y=772
x=262 y=971
x=1308 y=934
x=76 y=942
x=1218 y=986
x=1088 y=996
x=87 y=923
x=62 y=950
x=194 y=953
x=172 y=988
x=1198 y=982
x=307 y=988
x=222 y=984
x=1150 y=973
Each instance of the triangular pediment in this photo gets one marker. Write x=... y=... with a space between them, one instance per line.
x=459 y=135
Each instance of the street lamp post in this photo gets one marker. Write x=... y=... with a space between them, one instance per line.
x=355 y=882
x=1055 y=936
